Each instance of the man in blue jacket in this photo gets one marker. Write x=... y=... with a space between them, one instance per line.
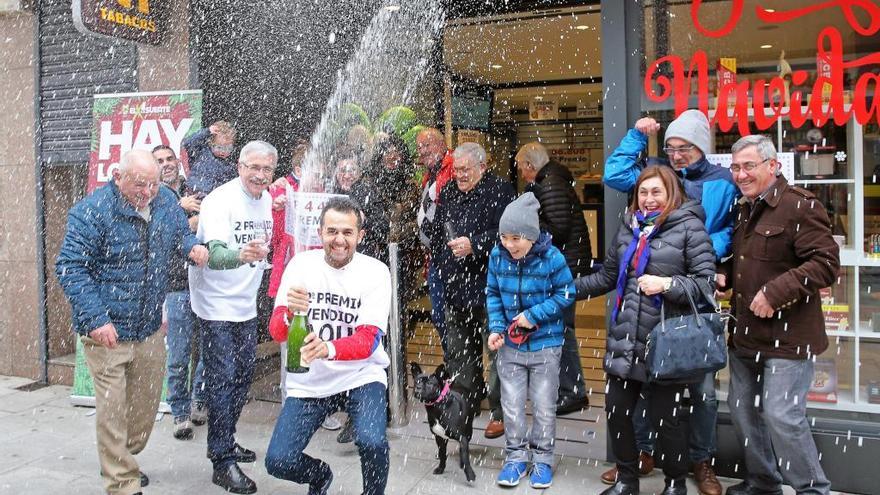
x=686 y=142
x=113 y=267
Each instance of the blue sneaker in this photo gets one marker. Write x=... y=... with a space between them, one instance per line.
x=511 y=473
x=542 y=476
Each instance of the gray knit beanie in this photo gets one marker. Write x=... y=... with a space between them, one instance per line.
x=693 y=127
x=521 y=217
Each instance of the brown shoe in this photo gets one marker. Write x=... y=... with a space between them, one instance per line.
x=609 y=477
x=707 y=483
x=494 y=429
x=646 y=465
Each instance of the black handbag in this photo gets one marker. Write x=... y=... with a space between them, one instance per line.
x=686 y=347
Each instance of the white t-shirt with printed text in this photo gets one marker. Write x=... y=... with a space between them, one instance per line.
x=340 y=300
x=232 y=215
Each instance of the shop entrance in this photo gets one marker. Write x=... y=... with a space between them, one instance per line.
x=515 y=78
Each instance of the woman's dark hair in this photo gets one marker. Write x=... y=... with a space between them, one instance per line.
x=674 y=191
x=346 y=152
x=390 y=182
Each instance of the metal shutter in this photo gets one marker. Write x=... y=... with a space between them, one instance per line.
x=73 y=67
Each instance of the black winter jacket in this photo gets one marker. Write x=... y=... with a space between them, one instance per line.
x=562 y=216
x=681 y=250
x=474 y=214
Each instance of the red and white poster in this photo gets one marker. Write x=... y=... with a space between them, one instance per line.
x=122 y=122
x=303 y=217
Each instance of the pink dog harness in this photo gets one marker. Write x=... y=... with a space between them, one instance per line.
x=446 y=386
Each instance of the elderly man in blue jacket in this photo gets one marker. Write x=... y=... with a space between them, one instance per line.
x=113 y=267
x=686 y=142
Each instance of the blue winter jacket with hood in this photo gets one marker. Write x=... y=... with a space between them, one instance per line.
x=539 y=285
x=113 y=265
x=712 y=186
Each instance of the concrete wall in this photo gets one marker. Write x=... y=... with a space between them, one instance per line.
x=167 y=66
x=19 y=272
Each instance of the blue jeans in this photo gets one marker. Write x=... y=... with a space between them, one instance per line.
x=702 y=437
x=533 y=376
x=181 y=325
x=435 y=294
x=229 y=349
x=300 y=418
x=768 y=406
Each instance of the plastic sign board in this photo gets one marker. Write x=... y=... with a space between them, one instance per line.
x=122 y=122
x=142 y=21
x=302 y=217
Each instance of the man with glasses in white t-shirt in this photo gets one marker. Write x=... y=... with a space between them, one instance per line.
x=236 y=224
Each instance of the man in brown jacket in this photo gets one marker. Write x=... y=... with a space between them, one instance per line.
x=783 y=253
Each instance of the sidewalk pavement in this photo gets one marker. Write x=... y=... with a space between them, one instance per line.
x=49 y=447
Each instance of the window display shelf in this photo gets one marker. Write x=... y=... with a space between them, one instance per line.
x=837 y=164
x=823 y=181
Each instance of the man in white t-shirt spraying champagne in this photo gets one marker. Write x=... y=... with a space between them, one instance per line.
x=235 y=223
x=346 y=297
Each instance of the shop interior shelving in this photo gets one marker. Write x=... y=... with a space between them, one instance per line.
x=850 y=191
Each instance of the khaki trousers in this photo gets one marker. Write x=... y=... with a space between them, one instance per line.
x=128 y=384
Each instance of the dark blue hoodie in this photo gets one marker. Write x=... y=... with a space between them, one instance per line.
x=539 y=285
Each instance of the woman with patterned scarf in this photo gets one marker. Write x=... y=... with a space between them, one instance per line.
x=661 y=253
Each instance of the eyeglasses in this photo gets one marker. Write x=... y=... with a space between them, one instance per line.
x=256 y=168
x=735 y=168
x=221 y=148
x=680 y=150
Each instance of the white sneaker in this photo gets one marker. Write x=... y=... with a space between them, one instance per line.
x=331 y=423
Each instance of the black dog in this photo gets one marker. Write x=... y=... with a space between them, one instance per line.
x=449 y=415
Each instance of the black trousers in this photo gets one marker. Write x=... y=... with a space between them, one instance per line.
x=665 y=410
x=571 y=378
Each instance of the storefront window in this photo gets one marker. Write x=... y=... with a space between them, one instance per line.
x=836 y=159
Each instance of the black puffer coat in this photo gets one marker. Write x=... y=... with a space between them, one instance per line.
x=562 y=216
x=681 y=250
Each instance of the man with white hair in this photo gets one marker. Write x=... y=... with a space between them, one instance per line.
x=236 y=225
x=113 y=267
x=783 y=255
x=464 y=231
x=562 y=217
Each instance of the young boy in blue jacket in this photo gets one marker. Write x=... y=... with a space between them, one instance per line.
x=528 y=286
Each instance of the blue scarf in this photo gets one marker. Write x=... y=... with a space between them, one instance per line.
x=638 y=253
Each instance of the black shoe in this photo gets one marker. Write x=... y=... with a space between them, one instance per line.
x=745 y=488
x=322 y=487
x=233 y=480
x=244 y=455
x=346 y=435
x=623 y=488
x=568 y=405
x=675 y=487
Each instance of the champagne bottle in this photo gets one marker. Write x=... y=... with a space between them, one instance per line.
x=296 y=335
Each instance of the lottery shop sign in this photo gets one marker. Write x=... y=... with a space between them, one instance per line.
x=142 y=21
x=122 y=122
x=671 y=77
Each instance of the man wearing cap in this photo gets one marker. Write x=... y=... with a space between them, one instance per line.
x=686 y=142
